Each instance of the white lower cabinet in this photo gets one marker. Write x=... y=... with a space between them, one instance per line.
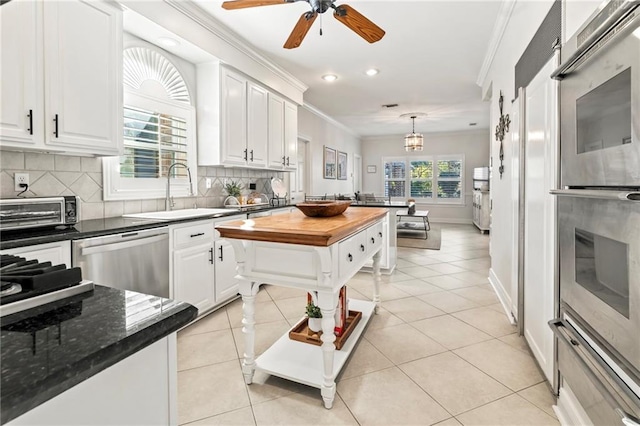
x=192 y=264
x=203 y=265
x=482 y=210
x=57 y=253
x=226 y=285
x=139 y=390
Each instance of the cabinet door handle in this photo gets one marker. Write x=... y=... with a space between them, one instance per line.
x=361 y=247
x=30 y=115
x=283 y=160
x=373 y=240
x=251 y=155
x=221 y=257
x=55 y=131
x=350 y=257
x=287 y=161
x=199 y=234
x=380 y=234
x=211 y=255
x=245 y=154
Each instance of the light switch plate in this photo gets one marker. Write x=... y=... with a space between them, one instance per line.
x=207 y=183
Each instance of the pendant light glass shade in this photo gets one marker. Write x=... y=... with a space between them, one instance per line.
x=413 y=141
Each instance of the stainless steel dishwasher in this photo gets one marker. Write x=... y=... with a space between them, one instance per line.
x=137 y=261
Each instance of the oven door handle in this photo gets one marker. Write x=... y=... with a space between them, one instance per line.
x=562 y=332
x=632 y=196
x=592 y=41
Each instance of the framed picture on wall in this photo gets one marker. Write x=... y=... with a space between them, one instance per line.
x=342 y=165
x=329 y=163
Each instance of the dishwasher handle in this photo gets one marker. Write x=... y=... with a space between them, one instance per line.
x=86 y=251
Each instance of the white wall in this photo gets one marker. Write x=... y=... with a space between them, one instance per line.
x=321 y=130
x=524 y=21
x=473 y=144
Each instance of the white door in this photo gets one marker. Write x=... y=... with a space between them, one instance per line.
x=193 y=276
x=298 y=183
x=540 y=156
x=357 y=173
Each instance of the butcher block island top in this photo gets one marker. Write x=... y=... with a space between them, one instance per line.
x=296 y=228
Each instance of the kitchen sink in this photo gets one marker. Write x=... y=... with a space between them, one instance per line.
x=179 y=214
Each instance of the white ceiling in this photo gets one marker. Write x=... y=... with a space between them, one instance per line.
x=429 y=60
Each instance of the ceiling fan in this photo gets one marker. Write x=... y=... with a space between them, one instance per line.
x=343 y=13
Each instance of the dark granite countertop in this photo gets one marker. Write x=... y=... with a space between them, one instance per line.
x=99 y=227
x=51 y=348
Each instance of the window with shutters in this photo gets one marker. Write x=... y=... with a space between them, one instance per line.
x=159 y=130
x=430 y=179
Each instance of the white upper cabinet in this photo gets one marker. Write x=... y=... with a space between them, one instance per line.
x=257 y=125
x=277 y=158
x=283 y=133
x=238 y=120
x=76 y=105
x=291 y=135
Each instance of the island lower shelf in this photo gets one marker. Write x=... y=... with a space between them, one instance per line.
x=301 y=362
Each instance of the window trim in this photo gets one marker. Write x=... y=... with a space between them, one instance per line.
x=118 y=188
x=435 y=178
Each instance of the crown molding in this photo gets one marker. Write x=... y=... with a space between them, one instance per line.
x=208 y=22
x=504 y=15
x=329 y=119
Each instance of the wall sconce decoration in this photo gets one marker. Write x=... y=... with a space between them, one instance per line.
x=501 y=129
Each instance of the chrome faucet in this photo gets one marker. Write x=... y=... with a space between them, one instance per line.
x=168 y=203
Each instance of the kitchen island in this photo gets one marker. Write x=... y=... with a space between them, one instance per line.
x=107 y=356
x=318 y=255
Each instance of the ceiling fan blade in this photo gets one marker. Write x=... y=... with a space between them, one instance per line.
x=300 y=30
x=358 y=23
x=241 y=4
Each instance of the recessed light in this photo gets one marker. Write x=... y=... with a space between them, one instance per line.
x=168 y=42
x=329 y=77
x=371 y=72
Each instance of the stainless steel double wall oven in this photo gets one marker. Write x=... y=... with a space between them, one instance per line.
x=599 y=214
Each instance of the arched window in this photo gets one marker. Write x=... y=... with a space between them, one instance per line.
x=158 y=130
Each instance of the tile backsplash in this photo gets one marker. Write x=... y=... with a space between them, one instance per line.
x=53 y=174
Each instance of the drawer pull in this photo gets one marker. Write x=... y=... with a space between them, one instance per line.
x=199 y=234
x=361 y=247
x=350 y=257
x=380 y=234
x=373 y=240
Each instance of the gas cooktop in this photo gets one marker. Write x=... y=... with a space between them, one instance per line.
x=28 y=283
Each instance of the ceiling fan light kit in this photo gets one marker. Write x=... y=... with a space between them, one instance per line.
x=344 y=13
x=413 y=141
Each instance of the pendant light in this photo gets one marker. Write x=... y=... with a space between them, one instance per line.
x=413 y=141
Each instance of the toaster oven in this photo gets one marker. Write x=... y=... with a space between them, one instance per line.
x=38 y=212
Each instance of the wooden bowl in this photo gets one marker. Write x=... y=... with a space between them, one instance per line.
x=324 y=208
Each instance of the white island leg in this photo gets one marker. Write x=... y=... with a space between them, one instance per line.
x=376 y=279
x=327 y=301
x=248 y=290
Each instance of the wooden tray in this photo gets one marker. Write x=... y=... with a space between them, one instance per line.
x=301 y=331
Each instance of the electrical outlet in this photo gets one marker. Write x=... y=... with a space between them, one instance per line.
x=207 y=183
x=19 y=178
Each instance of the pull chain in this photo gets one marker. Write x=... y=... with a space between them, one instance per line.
x=321 y=24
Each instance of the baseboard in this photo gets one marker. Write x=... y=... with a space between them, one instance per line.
x=503 y=296
x=450 y=220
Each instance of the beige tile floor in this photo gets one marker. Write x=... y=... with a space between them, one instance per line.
x=441 y=351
